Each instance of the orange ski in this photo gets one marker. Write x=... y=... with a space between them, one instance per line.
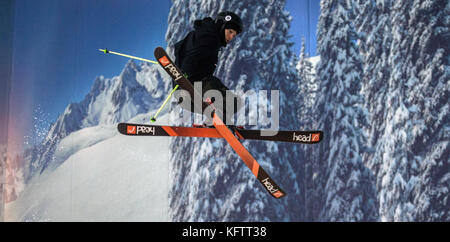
x=174 y=72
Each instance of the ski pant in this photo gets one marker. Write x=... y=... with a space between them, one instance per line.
x=228 y=108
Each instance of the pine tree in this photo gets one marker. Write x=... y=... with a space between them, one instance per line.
x=407 y=95
x=398 y=166
x=373 y=23
x=348 y=193
x=306 y=97
x=306 y=90
x=428 y=89
x=374 y=29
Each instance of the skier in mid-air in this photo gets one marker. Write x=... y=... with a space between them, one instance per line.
x=197 y=54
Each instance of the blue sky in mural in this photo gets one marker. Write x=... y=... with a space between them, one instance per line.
x=305 y=15
x=55 y=58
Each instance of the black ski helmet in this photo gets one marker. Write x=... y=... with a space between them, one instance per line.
x=229 y=20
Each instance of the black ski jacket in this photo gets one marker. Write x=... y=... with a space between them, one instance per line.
x=197 y=54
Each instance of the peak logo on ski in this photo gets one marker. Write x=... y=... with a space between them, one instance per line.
x=174 y=73
x=306 y=138
x=145 y=130
x=131 y=129
x=164 y=61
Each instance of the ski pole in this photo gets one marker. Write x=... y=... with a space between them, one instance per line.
x=164 y=104
x=106 y=51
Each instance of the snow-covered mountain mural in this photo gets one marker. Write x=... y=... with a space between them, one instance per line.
x=138 y=89
x=85 y=171
x=379 y=90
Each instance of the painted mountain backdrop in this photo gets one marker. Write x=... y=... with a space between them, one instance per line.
x=379 y=91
